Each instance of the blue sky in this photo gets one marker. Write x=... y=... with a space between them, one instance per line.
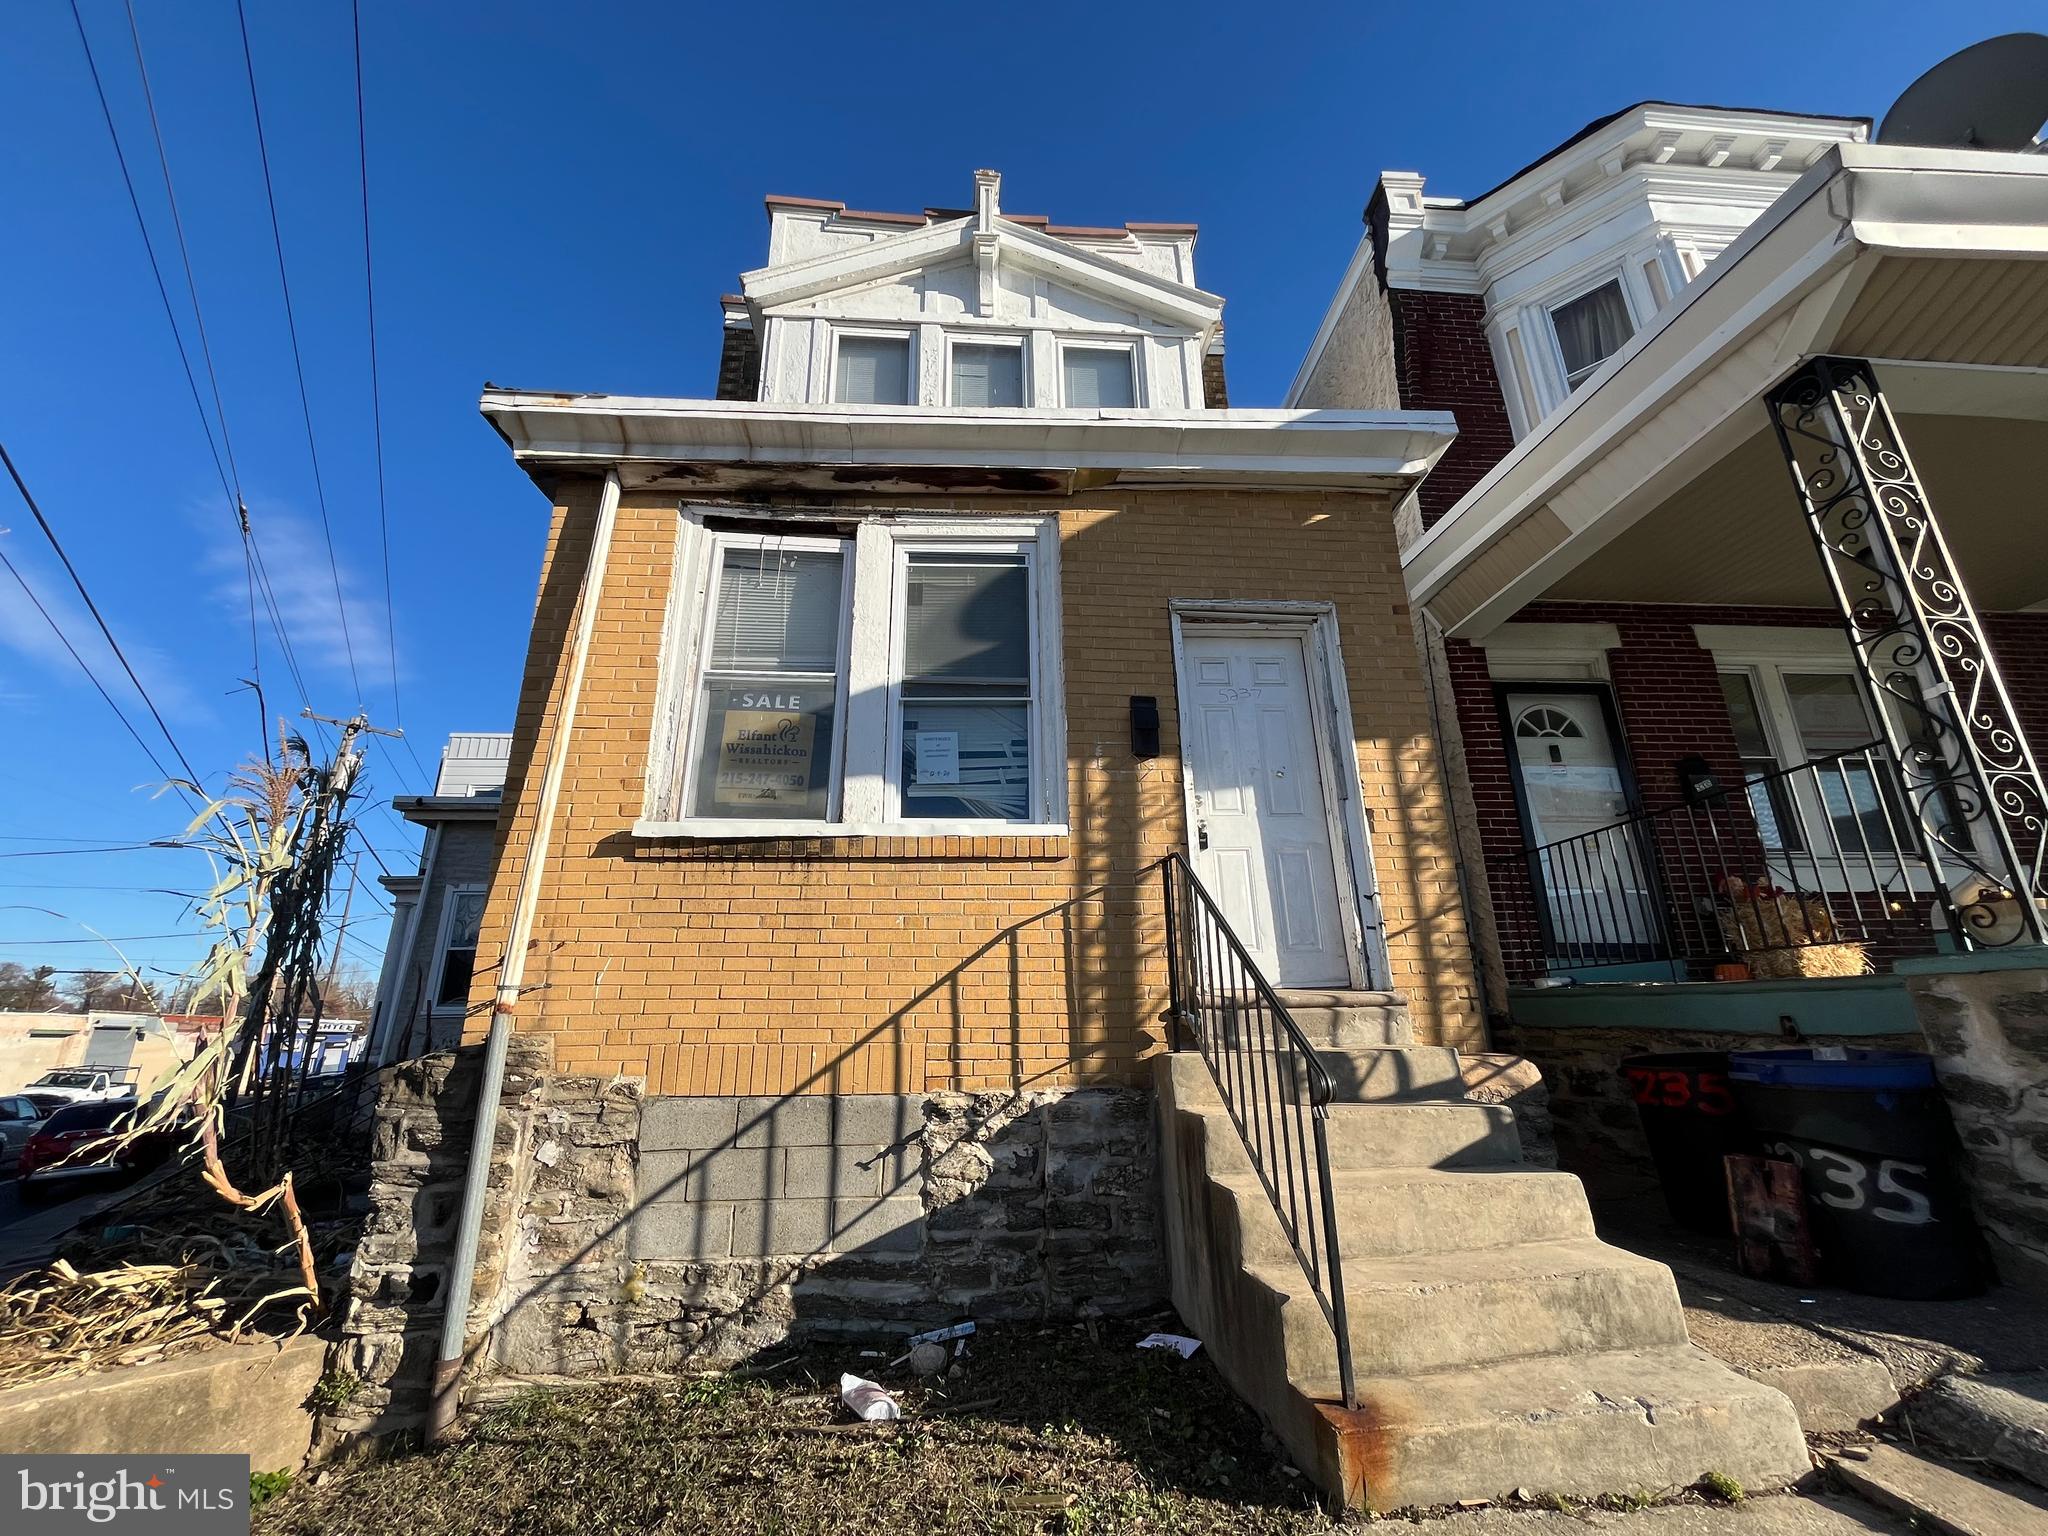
x=559 y=195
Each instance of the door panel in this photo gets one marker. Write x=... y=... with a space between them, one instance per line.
x=1257 y=793
x=1596 y=887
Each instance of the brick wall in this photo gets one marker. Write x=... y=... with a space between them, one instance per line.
x=1667 y=693
x=1442 y=363
x=893 y=966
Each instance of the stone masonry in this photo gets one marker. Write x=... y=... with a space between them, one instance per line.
x=1988 y=1031
x=625 y=1234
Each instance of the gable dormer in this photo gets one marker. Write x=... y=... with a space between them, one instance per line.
x=974 y=308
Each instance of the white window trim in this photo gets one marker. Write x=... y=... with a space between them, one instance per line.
x=713 y=566
x=1535 y=653
x=1092 y=343
x=1615 y=273
x=442 y=930
x=1013 y=339
x=866 y=759
x=907 y=334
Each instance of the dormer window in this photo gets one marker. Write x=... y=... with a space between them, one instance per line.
x=1590 y=329
x=871 y=369
x=988 y=373
x=1098 y=377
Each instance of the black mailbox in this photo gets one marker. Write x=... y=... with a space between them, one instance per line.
x=1696 y=781
x=1144 y=725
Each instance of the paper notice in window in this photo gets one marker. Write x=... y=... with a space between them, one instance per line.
x=764 y=758
x=938 y=757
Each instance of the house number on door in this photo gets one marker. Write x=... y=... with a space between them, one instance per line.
x=1847 y=1183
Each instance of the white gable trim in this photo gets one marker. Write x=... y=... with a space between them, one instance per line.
x=1085 y=271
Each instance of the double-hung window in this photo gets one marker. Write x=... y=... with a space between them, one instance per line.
x=1098 y=377
x=899 y=677
x=455 y=959
x=1590 y=329
x=871 y=369
x=987 y=373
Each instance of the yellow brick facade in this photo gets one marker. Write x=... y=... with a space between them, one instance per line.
x=906 y=966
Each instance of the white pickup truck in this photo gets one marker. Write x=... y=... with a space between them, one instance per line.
x=81 y=1085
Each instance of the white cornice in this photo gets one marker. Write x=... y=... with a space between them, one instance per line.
x=1375 y=449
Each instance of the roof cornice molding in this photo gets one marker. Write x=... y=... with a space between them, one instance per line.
x=589 y=433
x=987 y=241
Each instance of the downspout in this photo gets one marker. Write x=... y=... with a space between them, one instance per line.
x=511 y=975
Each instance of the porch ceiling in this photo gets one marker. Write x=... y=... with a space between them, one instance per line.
x=1661 y=480
x=1735 y=533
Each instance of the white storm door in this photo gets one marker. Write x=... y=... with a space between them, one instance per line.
x=1261 y=835
x=1595 y=873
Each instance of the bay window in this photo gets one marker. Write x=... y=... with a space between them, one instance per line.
x=1590 y=329
x=901 y=676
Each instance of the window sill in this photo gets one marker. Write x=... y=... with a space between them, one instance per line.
x=718 y=829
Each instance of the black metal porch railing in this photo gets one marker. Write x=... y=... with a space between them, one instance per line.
x=1818 y=853
x=1274 y=1086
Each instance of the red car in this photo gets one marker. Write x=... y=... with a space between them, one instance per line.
x=77 y=1142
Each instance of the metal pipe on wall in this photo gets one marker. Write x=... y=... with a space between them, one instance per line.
x=511 y=976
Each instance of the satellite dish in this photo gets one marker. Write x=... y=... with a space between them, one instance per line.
x=1992 y=95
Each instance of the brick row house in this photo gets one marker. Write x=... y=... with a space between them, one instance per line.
x=1733 y=598
x=974 y=844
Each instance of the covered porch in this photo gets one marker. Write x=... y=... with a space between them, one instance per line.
x=1744 y=647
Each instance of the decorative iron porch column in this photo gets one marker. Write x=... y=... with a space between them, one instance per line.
x=1970 y=778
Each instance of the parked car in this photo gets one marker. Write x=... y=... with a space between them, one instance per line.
x=78 y=1142
x=81 y=1085
x=20 y=1118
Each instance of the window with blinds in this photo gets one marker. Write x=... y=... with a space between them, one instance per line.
x=872 y=370
x=988 y=373
x=1097 y=377
x=966 y=690
x=770 y=687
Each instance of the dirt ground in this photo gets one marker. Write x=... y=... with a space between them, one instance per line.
x=1066 y=1429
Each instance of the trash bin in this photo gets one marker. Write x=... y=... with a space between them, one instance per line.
x=1871 y=1134
x=1691 y=1121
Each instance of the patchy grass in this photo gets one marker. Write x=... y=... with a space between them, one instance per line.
x=1065 y=1430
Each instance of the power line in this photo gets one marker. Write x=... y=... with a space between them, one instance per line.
x=377 y=394
x=230 y=480
x=91 y=676
x=117 y=938
x=51 y=853
x=93 y=608
x=298 y=361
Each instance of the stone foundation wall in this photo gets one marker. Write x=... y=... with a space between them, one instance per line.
x=624 y=1234
x=1988 y=1031
x=1593 y=1117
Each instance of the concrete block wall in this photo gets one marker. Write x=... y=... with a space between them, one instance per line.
x=752 y=1177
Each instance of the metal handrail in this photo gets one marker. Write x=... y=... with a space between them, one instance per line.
x=1264 y=1067
x=1670 y=883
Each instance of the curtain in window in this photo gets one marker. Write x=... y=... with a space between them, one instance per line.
x=1098 y=377
x=966 y=703
x=1591 y=329
x=873 y=370
x=988 y=375
x=458 y=961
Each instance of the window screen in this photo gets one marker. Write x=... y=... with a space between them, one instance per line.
x=872 y=370
x=966 y=691
x=988 y=375
x=1775 y=823
x=1591 y=329
x=771 y=683
x=1098 y=376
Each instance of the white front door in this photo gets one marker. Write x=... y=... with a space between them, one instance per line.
x=1262 y=841
x=1595 y=873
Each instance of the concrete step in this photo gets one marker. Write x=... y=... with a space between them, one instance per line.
x=1391 y=1213
x=1940 y=1498
x=1382 y=1074
x=1450 y=1311
x=1636 y=1420
x=1343 y=1017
